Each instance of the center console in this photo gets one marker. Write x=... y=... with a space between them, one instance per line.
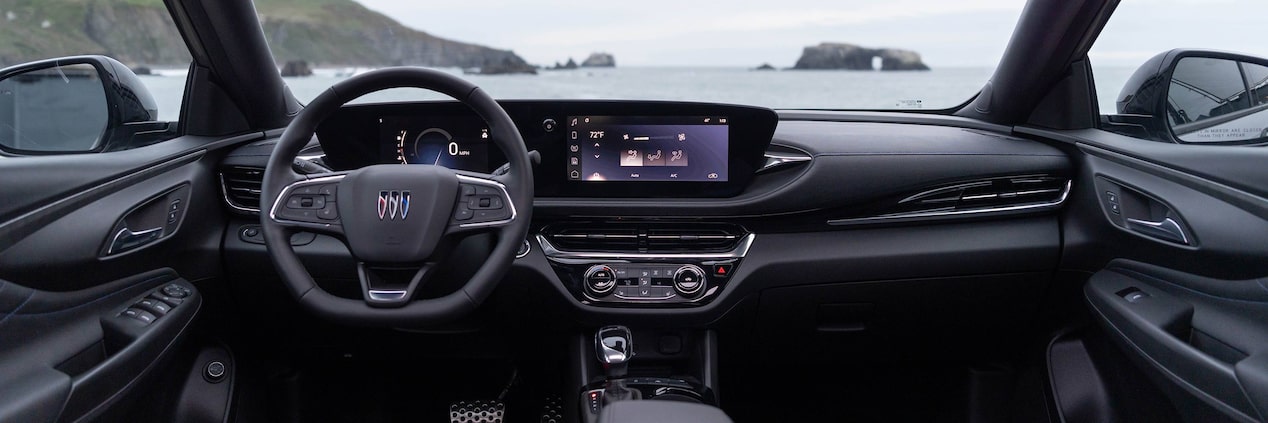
x=654 y=367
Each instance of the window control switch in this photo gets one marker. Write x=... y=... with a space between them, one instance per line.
x=151 y=305
x=171 y=301
x=141 y=315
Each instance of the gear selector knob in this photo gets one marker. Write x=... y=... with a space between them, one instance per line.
x=615 y=347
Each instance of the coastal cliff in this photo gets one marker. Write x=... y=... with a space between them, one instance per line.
x=853 y=57
x=321 y=32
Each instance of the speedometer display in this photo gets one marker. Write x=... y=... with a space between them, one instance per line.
x=456 y=145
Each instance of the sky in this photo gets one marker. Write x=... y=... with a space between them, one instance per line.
x=947 y=33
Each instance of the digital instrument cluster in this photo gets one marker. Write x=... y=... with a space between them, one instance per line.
x=455 y=143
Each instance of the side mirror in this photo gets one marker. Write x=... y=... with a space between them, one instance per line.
x=1196 y=96
x=74 y=105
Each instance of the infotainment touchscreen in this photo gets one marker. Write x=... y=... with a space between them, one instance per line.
x=647 y=148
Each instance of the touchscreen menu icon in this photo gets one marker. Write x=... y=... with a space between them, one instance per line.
x=631 y=157
x=656 y=158
x=677 y=158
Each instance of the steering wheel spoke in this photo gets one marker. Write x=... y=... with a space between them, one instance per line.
x=310 y=205
x=483 y=203
x=388 y=287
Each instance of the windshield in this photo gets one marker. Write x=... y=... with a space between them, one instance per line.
x=895 y=54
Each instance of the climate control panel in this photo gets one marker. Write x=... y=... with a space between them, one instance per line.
x=634 y=278
x=646 y=282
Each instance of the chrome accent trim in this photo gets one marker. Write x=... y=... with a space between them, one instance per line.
x=556 y=254
x=386 y=294
x=1167 y=229
x=704 y=279
x=510 y=203
x=128 y=232
x=528 y=248
x=607 y=348
x=936 y=191
x=224 y=192
x=286 y=193
x=924 y=215
x=778 y=160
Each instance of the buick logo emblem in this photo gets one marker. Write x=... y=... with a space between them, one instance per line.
x=393 y=203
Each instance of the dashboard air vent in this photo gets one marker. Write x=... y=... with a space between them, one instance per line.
x=995 y=196
x=644 y=237
x=989 y=194
x=241 y=186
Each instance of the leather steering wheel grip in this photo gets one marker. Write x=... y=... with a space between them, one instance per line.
x=519 y=186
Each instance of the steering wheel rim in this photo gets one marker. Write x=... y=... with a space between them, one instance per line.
x=280 y=178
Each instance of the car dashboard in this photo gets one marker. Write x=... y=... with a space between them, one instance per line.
x=660 y=209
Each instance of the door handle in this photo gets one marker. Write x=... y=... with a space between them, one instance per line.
x=1166 y=229
x=126 y=239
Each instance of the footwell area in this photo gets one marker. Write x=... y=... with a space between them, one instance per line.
x=349 y=389
x=889 y=392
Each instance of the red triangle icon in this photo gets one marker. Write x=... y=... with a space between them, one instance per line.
x=721 y=270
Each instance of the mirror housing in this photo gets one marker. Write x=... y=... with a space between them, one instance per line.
x=1146 y=105
x=129 y=110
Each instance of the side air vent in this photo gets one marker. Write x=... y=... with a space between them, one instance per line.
x=1007 y=195
x=241 y=186
x=642 y=238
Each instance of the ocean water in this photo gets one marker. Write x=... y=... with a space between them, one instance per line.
x=936 y=89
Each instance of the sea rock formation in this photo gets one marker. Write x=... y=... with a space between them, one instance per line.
x=765 y=67
x=599 y=60
x=853 y=57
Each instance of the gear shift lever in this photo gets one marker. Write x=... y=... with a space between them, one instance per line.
x=614 y=346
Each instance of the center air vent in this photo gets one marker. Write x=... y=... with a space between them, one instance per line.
x=644 y=237
x=241 y=186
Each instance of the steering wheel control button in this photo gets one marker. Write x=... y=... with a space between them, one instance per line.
x=154 y=306
x=463 y=214
x=329 y=190
x=484 y=216
x=600 y=280
x=331 y=212
x=549 y=125
x=485 y=202
x=306 y=202
x=140 y=315
x=689 y=280
x=468 y=190
x=215 y=371
x=176 y=291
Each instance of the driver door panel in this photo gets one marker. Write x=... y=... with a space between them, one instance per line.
x=73 y=343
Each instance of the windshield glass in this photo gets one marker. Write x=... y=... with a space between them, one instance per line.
x=895 y=54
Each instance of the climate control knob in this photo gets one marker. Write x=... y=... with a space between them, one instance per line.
x=689 y=281
x=600 y=280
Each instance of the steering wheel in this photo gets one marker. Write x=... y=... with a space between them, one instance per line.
x=396 y=218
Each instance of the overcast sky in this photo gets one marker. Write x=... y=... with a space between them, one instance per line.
x=747 y=33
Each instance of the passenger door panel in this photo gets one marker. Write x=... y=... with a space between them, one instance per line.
x=1186 y=303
